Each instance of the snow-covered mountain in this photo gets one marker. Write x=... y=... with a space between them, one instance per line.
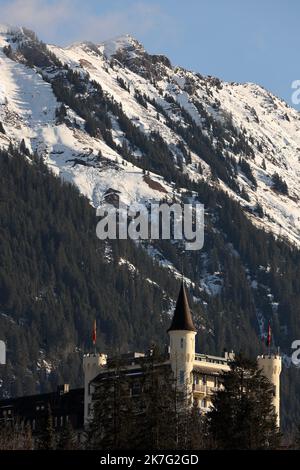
x=115 y=120
x=245 y=129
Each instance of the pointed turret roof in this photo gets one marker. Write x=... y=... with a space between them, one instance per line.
x=182 y=319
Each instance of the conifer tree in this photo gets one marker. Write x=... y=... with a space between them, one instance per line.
x=112 y=424
x=243 y=416
x=197 y=436
x=46 y=440
x=14 y=437
x=297 y=438
x=28 y=443
x=67 y=438
x=23 y=148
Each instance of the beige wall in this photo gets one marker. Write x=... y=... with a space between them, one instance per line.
x=271 y=367
x=92 y=365
x=182 y=357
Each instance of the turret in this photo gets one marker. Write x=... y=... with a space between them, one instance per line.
x=2 y=352
x=271 y=367
x=182 y=343
x=92 y=365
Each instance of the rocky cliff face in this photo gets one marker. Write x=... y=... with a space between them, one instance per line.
x=112 y=118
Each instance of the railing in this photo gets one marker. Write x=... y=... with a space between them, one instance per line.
x=200 y=388
x=211 y=359
x=205 y=389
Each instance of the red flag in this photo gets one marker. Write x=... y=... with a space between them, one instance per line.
x=269 y=335
x=94 y=335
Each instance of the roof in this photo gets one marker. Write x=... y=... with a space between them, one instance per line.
x=127 y=371
x=71 y=396
x=208 y=371
x=182 y=319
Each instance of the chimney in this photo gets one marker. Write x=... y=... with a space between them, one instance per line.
x=62 y=389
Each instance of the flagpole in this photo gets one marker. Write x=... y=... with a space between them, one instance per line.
x=94 y=336
x=269 y=338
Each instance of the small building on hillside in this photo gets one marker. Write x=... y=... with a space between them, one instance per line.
x=65 y=406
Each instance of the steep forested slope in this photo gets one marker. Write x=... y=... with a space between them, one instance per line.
x=114 y=117
x=56 y=276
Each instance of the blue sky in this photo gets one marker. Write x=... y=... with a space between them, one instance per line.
x=235 y=40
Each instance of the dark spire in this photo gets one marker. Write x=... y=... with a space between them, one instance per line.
x=182 y=319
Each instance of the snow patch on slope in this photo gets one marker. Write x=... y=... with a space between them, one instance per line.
x=125 y=42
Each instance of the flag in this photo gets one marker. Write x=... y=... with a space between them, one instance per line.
x=269 y=335
x=94 y=335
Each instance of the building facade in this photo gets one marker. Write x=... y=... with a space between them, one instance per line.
x=198 y=375
x=65 y=405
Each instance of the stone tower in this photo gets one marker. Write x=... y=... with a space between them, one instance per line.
x=182 y=343
x=271 y=367
x=92 y=364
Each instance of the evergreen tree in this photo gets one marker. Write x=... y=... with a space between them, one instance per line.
x=14 y=437
x=197 y=436
x=140 y=413
x=112 y=424
x=160 y=421
x=61 y=113
x=297 y=438
x=67 y=438
x=46 y=439
x=243 y=416
x=23 y=148
x=279 y=184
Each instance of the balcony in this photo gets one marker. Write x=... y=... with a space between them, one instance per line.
x=204 y=389
x=200 y=388
x=211 y=359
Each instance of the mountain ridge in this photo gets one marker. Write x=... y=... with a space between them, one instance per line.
x=148 y=130
x=204 y=108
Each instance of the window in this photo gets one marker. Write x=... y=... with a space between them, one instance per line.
x=181 y=342
x=181 y=377
x=135 y=389
x=204 y=380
